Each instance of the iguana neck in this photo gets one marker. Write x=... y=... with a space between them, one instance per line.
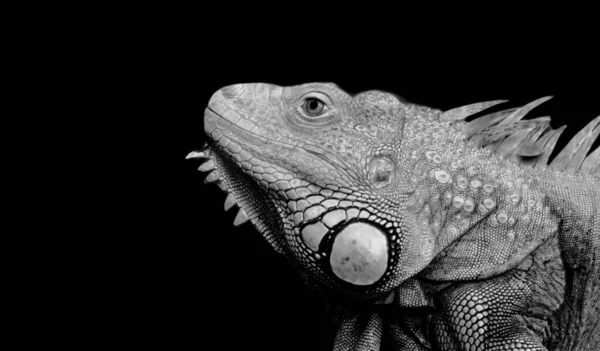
x=575 y=199
x=461 y=189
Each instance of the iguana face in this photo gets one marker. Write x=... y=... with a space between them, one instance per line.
x=319 y=173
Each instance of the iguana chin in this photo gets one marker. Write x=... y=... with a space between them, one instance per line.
x=421 y=230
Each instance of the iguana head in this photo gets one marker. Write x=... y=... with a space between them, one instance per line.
x=320 y=174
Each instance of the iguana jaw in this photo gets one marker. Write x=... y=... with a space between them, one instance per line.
x=255 y=205
x=234 y=165
x=229 y=177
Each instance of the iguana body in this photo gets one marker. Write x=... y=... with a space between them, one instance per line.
x=421 y=230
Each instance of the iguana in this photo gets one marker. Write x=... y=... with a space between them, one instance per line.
x=422 y=231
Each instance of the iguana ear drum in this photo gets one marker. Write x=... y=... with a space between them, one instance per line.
x=381 y=171
x=359 y=254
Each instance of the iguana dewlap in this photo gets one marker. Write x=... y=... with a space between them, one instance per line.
x=421 y=230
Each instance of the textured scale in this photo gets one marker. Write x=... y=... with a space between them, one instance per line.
x=421 y=230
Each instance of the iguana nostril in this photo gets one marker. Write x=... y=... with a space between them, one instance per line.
x=359 y=254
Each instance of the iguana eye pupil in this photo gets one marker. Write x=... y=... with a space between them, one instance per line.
x=313 y=106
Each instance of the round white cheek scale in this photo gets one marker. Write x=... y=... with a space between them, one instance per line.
x=359 y=255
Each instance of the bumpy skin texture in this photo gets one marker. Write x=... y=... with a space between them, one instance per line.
x=421 y=231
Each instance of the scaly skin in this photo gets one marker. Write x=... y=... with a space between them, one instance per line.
x=417 y=238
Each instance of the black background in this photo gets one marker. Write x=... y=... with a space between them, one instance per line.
x=224 y=284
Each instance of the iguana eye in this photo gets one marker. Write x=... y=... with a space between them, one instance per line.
x=313 y=106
